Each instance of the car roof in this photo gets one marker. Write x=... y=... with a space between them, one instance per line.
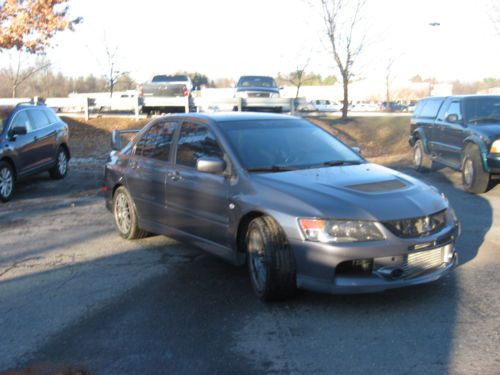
x=221 y=117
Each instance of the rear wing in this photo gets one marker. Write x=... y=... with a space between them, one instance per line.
x=116 y=138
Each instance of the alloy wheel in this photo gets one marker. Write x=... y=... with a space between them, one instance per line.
x=6 y=182
x=256 y=251
x=62 y=163
x=468 y=172
x=122 y=213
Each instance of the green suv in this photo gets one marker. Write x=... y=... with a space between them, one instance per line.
x=461 y=132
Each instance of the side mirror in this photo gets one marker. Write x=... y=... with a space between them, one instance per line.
x=18 y=130
x=357 y=150
x=210 y=165
x=452 y=118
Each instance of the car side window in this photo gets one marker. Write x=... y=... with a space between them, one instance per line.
x=40 y=119
x=431 y=108
x=454 y=109
x=156 y=142
x=196 y=141
x=444 y=108
x=21 y=119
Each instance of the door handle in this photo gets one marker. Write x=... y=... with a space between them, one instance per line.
x=174 y=176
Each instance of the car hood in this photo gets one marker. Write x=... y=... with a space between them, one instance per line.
x=258 y=89
x=360 y=192
x=491 y=130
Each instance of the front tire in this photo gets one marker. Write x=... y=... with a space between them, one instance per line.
x=271 y=264
x=6 y=182
x=60 y=170
x=126 y=220
x=422 y=161
x=474 y=178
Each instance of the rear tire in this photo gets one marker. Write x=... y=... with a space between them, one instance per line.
x=7 y=181
x=124 y=212
x=474 y=178
x=60 y=170
x=271 y=263
x=422 y=161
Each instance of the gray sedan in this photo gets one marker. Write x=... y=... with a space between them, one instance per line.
x=279 y=193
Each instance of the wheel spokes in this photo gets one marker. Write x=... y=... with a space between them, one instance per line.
x=6 y=182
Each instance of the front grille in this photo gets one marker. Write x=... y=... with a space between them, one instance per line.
x=418 y=263
x=417 y=227
x=258 y=95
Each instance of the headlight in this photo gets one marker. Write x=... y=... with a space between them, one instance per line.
x=339 y=231
x=241 y=94
x=274 y=95
x=495 y=147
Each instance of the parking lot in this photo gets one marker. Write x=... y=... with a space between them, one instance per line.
x=75 y=295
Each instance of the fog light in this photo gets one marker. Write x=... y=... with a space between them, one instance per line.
x=364 y=265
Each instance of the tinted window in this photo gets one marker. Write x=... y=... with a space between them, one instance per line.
x=418 y=108
x=22 y=119
x=40 y=119
x=292 y=143
x=156 y=142
x=4 y=115
x=431 y=108
x=166 y=79
x=483 y=109
x=196 y=141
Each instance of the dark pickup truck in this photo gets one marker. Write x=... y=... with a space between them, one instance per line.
x=461 y=132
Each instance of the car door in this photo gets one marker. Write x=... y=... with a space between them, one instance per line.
x=198 y=201
x=425 y=119
x=24 y=145
x=147 y=171
x=450 y=134
x=44 y=136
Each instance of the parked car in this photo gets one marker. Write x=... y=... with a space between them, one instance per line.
x=32 y=140
x=461 y=132
x=158 y=94
x=247 y=187
x=392 y=107
x=323 y=105
x=256 y=87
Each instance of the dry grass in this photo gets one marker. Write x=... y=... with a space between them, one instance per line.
x=382 y=139
x=378 y=137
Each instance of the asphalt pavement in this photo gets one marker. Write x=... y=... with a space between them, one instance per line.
x=73 y=294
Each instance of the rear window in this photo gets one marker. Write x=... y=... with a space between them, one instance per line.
x=166 y=79
x=428 y=108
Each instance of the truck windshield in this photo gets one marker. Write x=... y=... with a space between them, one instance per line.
x=257 y=82
x=166 y=79
x=280 y=145
x=482 y=109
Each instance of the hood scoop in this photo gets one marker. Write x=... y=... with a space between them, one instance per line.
x=379 y=187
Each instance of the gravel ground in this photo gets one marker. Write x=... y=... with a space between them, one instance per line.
x=75 y=295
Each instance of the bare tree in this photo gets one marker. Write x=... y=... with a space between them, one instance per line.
x=17 y=75
x=113 y=74
x=342 y=18
x=388 y=79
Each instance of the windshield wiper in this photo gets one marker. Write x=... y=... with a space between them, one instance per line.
x=336 y=163
x=272 y=168
x=484 y=119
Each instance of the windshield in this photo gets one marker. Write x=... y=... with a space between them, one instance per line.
x=4 y=114
x=285 y=144
x=257 y=82
x=166 y=79
x=482 y=109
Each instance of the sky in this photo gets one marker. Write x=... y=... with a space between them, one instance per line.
x=228 y=38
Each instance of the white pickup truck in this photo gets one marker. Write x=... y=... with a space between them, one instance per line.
x=167 y=94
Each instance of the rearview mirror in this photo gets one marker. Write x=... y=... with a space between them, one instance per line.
x=210 y=165
x=356 y=149
x=18 y=130
x=452 y=118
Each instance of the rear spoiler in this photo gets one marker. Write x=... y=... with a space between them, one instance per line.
x=116 y=138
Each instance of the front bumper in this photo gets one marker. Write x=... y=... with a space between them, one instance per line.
x=319 y=266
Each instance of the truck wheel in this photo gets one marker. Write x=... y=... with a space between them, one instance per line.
x=6 y=182
x=126 y=220
x=271 y=264
x=422 y=161
x=474 y=178
x=59 y=171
